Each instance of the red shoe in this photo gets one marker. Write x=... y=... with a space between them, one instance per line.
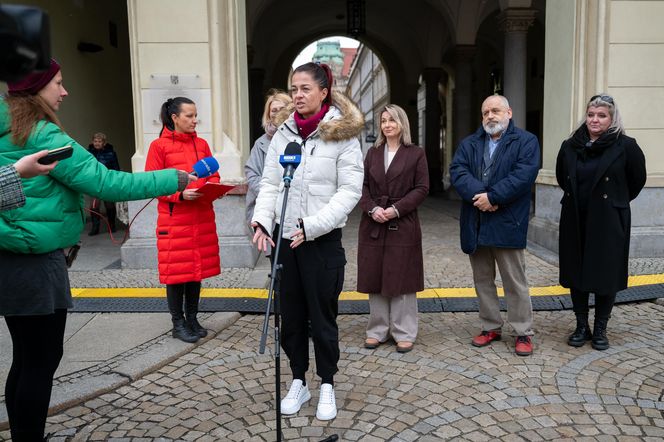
x=524 y=346
x=486 y=338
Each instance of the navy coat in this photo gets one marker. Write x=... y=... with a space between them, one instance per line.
x=515 y=165
x=105 y=156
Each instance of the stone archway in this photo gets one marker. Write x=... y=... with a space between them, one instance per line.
x=275 y=35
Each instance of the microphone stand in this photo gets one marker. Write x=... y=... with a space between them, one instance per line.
x=273 y=294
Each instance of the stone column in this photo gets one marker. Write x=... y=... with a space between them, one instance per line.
x=256 y=101
x=462 y=101
x=201 y=45
x=431 y=77
x=515 y=24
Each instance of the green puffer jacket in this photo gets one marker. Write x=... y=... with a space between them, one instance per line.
x=53 y=217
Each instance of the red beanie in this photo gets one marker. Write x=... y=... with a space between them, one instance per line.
x=33 y=82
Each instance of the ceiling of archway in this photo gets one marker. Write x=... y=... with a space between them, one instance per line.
x=406 y=35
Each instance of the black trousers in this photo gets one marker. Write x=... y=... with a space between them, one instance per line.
x=95 y=205
x=311 y=281
x=603 y=303
x=37 y=349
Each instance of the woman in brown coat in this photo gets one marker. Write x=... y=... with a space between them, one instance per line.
x=390 y=267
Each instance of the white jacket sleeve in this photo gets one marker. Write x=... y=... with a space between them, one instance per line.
x=350 y=176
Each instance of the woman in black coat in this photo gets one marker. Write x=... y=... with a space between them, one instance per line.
x=600 y=170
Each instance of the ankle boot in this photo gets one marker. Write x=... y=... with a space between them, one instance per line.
x=182 y=332
x=599 y=339
x=196 y=327
x=174 y=296
x=191 y=311
x=582 y=332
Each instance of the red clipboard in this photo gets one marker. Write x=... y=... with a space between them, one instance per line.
x=212 y=191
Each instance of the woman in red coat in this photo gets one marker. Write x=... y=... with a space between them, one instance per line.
x=186 y=229
x=389 y=259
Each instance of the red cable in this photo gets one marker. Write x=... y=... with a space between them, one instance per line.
x=126 y=234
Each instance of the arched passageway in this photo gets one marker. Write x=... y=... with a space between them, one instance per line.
x=443 y=57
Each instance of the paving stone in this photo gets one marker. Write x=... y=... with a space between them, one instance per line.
x=444 y=389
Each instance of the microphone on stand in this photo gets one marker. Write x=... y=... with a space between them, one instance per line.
x=290 y=160
x=205 y=167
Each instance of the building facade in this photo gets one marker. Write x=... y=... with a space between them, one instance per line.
x=439 y=60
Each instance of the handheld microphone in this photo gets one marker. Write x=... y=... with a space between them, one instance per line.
x=205 y=167
x=290 y=160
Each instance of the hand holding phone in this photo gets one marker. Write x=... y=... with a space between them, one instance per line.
x=56 y=154
x=28 y=166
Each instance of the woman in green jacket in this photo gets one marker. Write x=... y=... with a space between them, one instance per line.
x=34 y=284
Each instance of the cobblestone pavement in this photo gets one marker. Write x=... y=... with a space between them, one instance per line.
x=443 y=389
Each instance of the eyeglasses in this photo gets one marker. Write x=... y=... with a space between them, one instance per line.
x=606 y=98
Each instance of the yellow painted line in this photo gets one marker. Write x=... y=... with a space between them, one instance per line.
x=161 y=293
x=450 y=292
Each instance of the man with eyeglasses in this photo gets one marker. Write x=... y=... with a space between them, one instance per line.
x=493 y=171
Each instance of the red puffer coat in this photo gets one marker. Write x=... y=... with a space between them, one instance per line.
x=186 y=231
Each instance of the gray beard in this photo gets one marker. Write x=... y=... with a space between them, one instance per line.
x=496 y=128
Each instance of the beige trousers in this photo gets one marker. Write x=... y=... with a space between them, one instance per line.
x=512 y=266
x=394 y=316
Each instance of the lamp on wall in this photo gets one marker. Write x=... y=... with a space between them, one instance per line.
x=356 y=17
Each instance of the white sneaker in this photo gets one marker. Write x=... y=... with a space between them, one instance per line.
x=327 y=404
x=297 y=395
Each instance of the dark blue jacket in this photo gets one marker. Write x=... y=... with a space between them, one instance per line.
x=105 y=156
x=515 y=165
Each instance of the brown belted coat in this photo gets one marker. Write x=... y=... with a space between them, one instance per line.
x=389 y=257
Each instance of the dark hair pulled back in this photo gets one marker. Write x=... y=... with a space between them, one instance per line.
x=322 y=74
x=170 y=107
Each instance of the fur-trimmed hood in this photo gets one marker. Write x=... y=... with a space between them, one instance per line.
x=342 y=122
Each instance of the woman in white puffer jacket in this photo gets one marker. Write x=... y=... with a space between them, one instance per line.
x=325 y=188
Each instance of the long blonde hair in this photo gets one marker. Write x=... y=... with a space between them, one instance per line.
x=401 y=119
x=25 y=112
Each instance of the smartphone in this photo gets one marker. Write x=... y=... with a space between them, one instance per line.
x=56 y=154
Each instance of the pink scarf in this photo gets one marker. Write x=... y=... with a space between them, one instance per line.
x=308 y=125
x=270 y=130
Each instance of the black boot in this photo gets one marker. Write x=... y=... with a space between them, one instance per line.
x=582 y=332
x=191 y=310
x=599 y=339
x=95 y=225
x=181 y=331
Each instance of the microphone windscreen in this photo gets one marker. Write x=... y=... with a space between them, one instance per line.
x=206 y=167
x=293 y=148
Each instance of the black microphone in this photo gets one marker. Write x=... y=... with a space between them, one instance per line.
x=290 y=160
